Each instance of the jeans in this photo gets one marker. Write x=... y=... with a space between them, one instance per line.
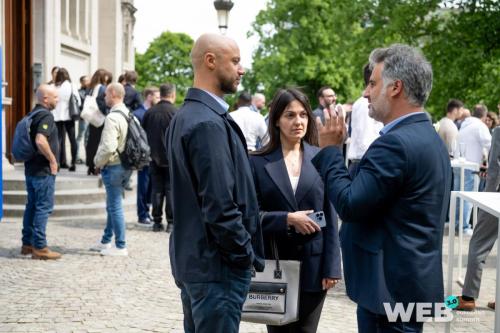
x=215 y=307
x=38 y=208
x=160 y=181
x=82 y=135
x=113 y=177
x=468 y=186
x=369 y=322
x=143 y=194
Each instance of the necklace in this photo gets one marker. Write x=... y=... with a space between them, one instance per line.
x=293 y=162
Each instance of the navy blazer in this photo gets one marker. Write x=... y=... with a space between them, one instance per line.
x=319 y=252
x=215 y=209
x=394 y=210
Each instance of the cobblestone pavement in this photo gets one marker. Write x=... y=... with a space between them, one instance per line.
x=84 y=292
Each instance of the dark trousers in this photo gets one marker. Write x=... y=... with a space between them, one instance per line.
x=369 y=322
x=92 y=145
x=143 y=194
x=215 y=307
x=160 y=192
x=310 y=306
x=38 y=208
x=63 y=128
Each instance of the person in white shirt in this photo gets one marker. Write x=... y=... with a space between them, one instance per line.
x=475 y=137
x=65 y=125
x=364 y=129
x=448 y=130
x=251 y=123
x=258 y=102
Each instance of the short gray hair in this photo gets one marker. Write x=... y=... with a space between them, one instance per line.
x=408 y=64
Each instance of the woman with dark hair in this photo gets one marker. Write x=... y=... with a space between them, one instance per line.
x=99 y=81
x=65 y=125
x=53 y=73
x=289 y=189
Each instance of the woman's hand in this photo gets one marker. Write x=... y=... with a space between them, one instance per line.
x=302 y=223
x=328 y=283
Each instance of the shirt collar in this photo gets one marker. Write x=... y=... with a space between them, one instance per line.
x=396 y=121
x=219 y=100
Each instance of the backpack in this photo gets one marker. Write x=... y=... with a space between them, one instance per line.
x=136 y=154
x=23 y=149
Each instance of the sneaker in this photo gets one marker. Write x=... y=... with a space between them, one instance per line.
x=26 y=250
x=100 y=246
x=158 y=227
x=45 y=254
x=464 y=305
x=468 y=232
x=115 y=252
x=146 y=222
x=170 y=227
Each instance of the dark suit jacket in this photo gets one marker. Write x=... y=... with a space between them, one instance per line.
x=155 y=122
x=394 y=211
x=216 y=214
x=320 y=252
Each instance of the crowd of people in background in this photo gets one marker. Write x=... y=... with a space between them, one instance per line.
x=259 y=172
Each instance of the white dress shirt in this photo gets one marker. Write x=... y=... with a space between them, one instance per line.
x=364 y=129
x=252 y=124
x=477 y=138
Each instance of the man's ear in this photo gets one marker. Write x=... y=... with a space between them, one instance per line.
x=209 y=60
x=396 y=88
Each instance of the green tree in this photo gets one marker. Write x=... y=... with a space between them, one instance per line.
x=166 y=60
x=311 y=43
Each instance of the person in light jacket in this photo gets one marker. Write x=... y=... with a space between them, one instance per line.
x=107 y=160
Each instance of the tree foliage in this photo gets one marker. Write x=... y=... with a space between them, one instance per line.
x=166 y=60
x=312 y=43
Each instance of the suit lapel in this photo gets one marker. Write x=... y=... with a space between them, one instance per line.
x=276 y=169
x=308 y=174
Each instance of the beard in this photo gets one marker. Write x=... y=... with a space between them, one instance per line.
x=227 y=86
x=227 y=83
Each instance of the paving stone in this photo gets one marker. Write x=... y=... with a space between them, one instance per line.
x=84 y=292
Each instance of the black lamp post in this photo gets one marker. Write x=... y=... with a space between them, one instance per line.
x=223 y=7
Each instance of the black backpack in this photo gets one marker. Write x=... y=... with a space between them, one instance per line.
x=136 y=154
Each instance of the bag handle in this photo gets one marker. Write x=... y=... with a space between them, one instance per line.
x=274 y=250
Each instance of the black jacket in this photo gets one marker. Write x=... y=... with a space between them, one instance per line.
x=319 y=252
x=132 y=99
x=216 y=214
x=155 y=122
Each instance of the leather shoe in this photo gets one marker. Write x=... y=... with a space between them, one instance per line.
x=491 y=305
x=45 y=254
x=26 y=249
x=464 y=305
x=158 y=227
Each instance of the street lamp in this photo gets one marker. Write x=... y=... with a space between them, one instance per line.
x=223 y=7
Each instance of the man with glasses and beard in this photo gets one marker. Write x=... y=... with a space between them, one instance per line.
x=216 y=236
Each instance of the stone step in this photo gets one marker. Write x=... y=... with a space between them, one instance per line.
x=72 y=210
x=81 y=182
x=62 y=197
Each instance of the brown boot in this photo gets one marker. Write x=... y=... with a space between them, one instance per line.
x=26 y=249
x=464 y=305
x=491 y=305
x=45 y=254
